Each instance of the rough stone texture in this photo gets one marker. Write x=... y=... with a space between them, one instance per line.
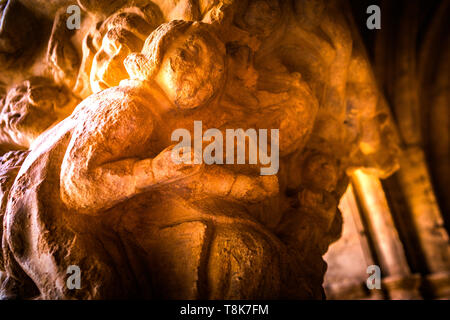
x=30 y=107
x=99 y=190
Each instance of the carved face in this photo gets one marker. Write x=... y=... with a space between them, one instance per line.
x=32 y=107
x=193 y=70
x=161 y=215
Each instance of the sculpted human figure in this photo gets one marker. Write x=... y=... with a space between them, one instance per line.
x=101 y=189
x=93 y=184
x=27 y=110
x=106 y=47
x=38 y=64
x=171 y=78
x=32 y=96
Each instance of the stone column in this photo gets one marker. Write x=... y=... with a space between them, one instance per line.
x=397 y=278
x=432 y=237
x=348 y=258
x=412 y=64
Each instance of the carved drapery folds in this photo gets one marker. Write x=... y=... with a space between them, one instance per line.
x=98 y=188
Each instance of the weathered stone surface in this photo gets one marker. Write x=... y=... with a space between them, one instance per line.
x=31 y=107
x=99 y=189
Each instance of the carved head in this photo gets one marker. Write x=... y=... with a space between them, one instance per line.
x=306 y=80
x=123 y=33
x=31 y=107
x=186 y=59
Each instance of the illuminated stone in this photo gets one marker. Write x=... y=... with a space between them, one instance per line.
x=98 y=190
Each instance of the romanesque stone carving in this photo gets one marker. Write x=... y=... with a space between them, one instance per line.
x=31 y=107
x=100 y=190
